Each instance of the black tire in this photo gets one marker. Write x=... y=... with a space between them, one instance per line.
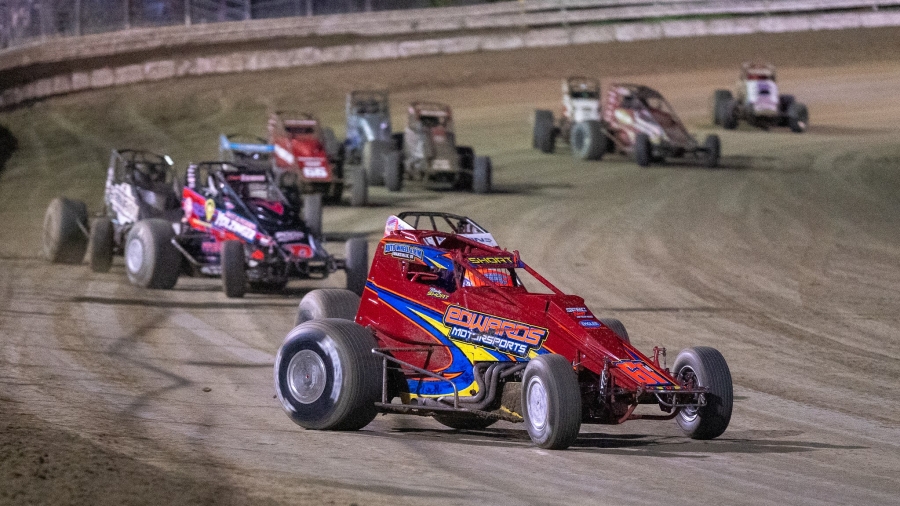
x=709 y=368
x=588 y=140
x=720 y=98
x=327 y=303
x=481 y=175
x=712 y=150
x=326 y=376
x=151 y=261
x=463 y=421
x=356 y=264
x=331 y=144
x=64 y=241
x=551 y=402
x=543 y=138
x=616 y=326
x=393 y=171
x=234 y=269
x=359 y=190
x=312 y=213
x=785 y=102
x=373 y=160
x=643 y=150
x=798 y=117
x=729 y=115
x=100 y=245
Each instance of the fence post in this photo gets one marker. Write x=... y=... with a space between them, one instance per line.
x=127 y=14
x=309 y=8
x=187 y=12
x=77 y=18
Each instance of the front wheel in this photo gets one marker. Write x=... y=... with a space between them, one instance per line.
x=100 y=245
x=643 y=150
x=356 y=264
x=327 y=303
x=798 y=117
x=63 y=238
x=551 y=401
x=481 y=175
x=326 y=376
x=712 y=149
x=234 y=269
x=588 y=141
x=312 y=213
x=393 y=171
x=705 y=367
x=543 y=137
x=359 y=190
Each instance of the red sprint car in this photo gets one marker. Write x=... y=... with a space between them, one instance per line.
x=452 y=326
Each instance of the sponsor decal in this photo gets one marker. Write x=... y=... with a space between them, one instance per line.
x=579 y=312
x=641 y=373
x=484 y=238
x=123 y=202
x=440 y=164
x=501 y=334
x=299 y=250
x=210 y=209
x=437 y=293
x=313 y=168
x=289 y=236
x=491 y=260
x=591 y=324
x=404 y=251
x=232 y=223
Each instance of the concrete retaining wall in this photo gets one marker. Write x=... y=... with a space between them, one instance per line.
x=248 y=61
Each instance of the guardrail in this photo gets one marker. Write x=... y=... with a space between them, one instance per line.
x=331 y=39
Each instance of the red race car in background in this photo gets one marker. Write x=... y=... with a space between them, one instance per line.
x=457 y=328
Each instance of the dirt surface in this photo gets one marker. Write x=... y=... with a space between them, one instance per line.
x=786 y=260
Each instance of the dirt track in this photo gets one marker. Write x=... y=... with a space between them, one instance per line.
x=787 y=260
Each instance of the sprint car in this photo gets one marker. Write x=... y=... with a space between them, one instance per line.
x=452 y=326
x=757 y=101
x=139 y=185
x=581 y=102
x=237 y=224
x=369 y=135
x=427 y=152
x=310 y=153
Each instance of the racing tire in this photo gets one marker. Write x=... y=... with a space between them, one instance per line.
x=100 y=245
x=359 y=189
x=551 y=402
x=798 y=117
x=616 y=326
x=643 y=150
x=706 y=367
x=151 y=261
x=720 y=98
x=481 y=174
x=64 y=241
x=393 y=171
x=312 y=213
x=463 y=421
x=356 y=264
x=326 y=376
x=588 y=140
x=374 y=162
x=542 y=137
x=234 y=269
x=729 y=115
x=712 y=150
x=327 y=303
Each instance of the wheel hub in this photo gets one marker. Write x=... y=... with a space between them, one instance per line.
x=306 y=376
x=537 y=403
x=134 y=255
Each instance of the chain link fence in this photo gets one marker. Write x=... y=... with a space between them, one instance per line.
x=24 y=21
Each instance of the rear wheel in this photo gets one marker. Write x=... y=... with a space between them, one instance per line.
x=720 y=99
x=711 y=151
x=356 y=264
x=151 y=261
x=326 y=376
x=64 y=240
x=481 y=175
x=101 y=244
x=359 y=191
x=327 y=303
x=587 y=140
x=543 y=138
x=551 y=401
x=234 y=269
x=393 y=171
x=729 y=115
x=798 y=117
x=373 y=160
x=312 y=213
x=643 y=150
x=705 y=367
x=463 y=421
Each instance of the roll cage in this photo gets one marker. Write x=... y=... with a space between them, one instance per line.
x=140 y=167
x=579 y=87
